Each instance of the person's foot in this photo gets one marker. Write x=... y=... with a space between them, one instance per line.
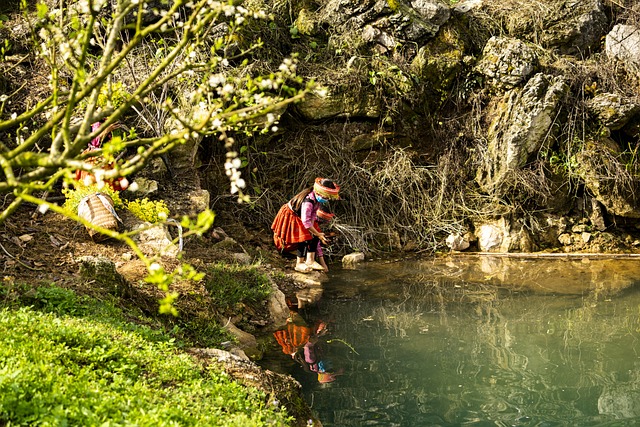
x=303 y=268
x=316 y=266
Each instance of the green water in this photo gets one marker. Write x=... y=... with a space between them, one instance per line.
x=487 y=342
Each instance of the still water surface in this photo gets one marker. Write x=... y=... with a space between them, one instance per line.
x=475 y=341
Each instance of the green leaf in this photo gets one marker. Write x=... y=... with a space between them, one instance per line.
x=42 y=10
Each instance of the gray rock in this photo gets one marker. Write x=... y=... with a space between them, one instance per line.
x=242 y=258
x=507 y=62
x=574 y=27
x=353 y=258
x=102 y=272
x=426 y=18
x=412 y=20
x=596 y=169
x=144 y=187
x=467 y=6
x=457 y=242
x=597 y=216
x=277 y=304
x=623 y=43
x=523 y=120
x=493 y=236
x=613 y=110
x=334 y=104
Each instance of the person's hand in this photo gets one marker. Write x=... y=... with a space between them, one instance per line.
x=323 y=238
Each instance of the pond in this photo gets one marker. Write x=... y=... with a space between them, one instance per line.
x=470 y=341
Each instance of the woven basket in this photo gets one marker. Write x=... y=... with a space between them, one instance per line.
x=98 y=209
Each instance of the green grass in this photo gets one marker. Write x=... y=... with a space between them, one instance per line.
x=93 y=368
x=230 y=285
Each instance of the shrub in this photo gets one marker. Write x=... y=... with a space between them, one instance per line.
x=149 y=211
x=230 y=285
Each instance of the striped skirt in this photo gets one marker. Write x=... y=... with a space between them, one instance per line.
x=288 y=230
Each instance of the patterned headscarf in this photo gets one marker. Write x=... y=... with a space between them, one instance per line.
x=326 y=192
x=325 y=215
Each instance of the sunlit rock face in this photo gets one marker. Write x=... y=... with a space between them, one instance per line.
x=507 y=62
x=613 y=110
x=522 y=121
x=575 y=27
x=623 y=44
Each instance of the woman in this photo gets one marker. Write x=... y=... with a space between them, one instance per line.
x=296 y=223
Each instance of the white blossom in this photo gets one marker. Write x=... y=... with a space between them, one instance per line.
x=216 y=80
x=226 y=89
x=266 y=84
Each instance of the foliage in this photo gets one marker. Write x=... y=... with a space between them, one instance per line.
x=81 y=44
x=168 y=67
x=68 y=371
x=73 y=196
x=230 y=285
x=149 y=210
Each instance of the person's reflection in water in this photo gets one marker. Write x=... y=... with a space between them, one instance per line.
x=302 y=343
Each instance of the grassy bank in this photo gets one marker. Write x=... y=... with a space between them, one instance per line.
x=70 y=360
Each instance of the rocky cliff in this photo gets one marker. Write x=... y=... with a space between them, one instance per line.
x=501 y=125
x=511 y=124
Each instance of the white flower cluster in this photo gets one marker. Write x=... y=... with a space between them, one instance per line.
x=231 y=167
x=86 y=7
x=288 y=67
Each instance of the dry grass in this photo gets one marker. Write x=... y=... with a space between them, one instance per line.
x=390 y=201
x=396 y=197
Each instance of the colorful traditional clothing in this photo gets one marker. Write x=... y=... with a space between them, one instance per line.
x=326 y=192
x=295 y=225
x=291 y=228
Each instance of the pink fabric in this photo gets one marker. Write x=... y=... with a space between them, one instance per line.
x=309 y=216
x=308 y=212
x=95 y=142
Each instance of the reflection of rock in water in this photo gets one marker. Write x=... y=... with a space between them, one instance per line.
x=571 y=275
x=622 y=402
x=309 y=296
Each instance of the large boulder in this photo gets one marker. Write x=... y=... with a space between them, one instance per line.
x=507 y=62
x=623 y=43
x=523 y=119
x=410 y=20
x=574 y=27
x=597 y=164
x=613 y=110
